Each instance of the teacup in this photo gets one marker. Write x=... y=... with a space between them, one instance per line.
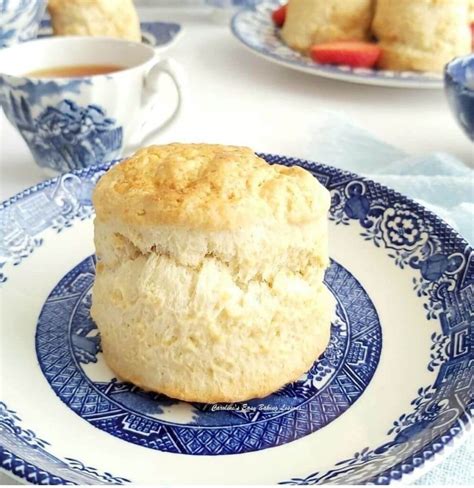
x=459 y=86
x=70 y=123
x=20 y=20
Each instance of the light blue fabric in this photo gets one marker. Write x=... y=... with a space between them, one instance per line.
x=456 y=469
x=439 y=182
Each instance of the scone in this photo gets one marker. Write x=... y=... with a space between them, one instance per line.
x=209 y=283
x=421 y=35
x=311 y=22
x=110 y=18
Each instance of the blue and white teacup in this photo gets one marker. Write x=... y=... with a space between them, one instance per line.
x=20 y=20
x=71 y=123
x=459 y=86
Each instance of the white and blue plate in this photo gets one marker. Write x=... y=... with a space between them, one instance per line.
x=155 y=34
x=392 y=390
x=254 y=28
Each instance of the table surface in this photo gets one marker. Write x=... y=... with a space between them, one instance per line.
x=235 y=97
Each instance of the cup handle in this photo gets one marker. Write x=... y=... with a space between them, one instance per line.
x=176 y=72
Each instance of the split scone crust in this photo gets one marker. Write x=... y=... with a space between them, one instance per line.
x=209 y=280
x=310 y=22
x=109 y=18
x=421 y=35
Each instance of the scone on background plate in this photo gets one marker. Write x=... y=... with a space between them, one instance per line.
x=209 y=283
x=110 y=18
x=421 y=35
x=311 y=22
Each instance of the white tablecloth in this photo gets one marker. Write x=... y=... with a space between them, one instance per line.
x=235 y=97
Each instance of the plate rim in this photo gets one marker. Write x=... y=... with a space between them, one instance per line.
x=332 y=72
x=454 y=436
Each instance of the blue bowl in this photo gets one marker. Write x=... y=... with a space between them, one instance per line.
x=459 y=86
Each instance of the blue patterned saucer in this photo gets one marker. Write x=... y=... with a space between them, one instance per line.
x=156 y=34
x=255 y=30
x=393 y=388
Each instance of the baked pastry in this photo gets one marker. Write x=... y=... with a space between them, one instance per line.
x=210 y=267
x=311 y=22
x=110 y=18
x=471 y=12
x=421 y=35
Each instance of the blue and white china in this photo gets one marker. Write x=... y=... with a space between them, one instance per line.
x=392 y=391
x=232 y=3
x=20 y=20
x=224 y=9
x=255 y=30
x=156 y=34
x=71 y=123
x=459 y=85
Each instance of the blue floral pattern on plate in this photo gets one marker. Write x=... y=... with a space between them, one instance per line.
x=413 y=238
x=25 y=455
x=329 y=388
x=255 y=30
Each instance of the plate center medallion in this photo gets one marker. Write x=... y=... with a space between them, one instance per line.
x=68 y=349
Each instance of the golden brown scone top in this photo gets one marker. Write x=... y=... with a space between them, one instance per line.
x=110 y=18
x=206 y=186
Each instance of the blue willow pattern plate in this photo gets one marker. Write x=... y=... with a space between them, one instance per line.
x=255 y=30
x=395 y=382
x=156 y=34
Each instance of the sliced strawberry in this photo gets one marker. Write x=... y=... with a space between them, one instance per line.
x=279 y=16
x=472 y=33
x=352 y=53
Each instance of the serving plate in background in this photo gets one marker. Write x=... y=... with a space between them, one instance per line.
x=156 y=34
x=393 y=389
x=255 y=30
